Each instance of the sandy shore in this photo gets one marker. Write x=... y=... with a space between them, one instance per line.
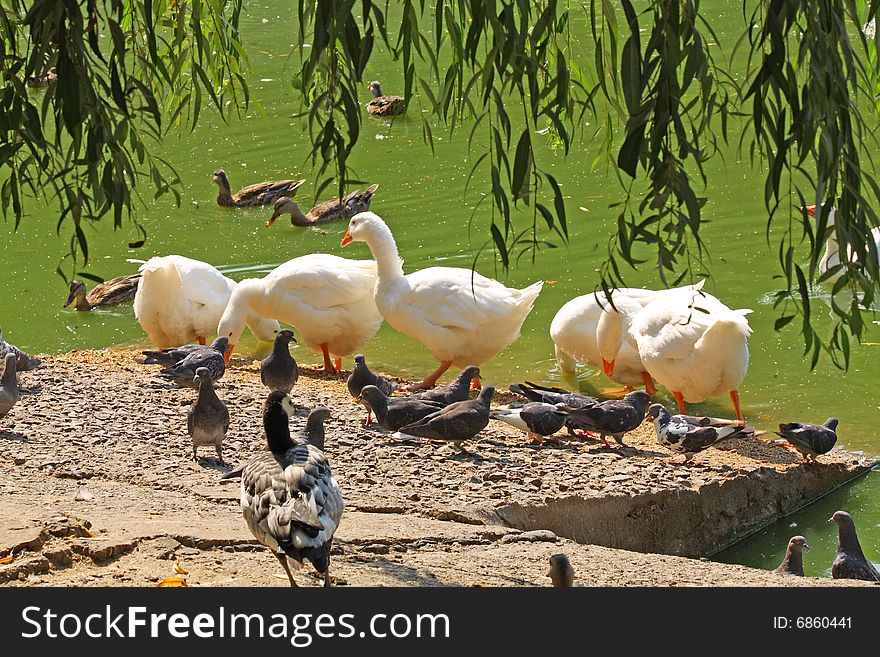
x=415 y=514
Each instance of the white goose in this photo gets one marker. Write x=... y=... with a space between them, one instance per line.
x=695 y=351
x=180 y=300
x=573 y=331
x=831 y=257
x=328 y=299
x=462 y=317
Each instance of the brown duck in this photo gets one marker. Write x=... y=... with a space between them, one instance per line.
x=259 y=194
x=337 y=208
x=382 y=105
x=109 y=293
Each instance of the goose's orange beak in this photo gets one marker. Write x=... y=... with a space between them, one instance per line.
x=608 y=367
x=228 y=354
x=347 y=239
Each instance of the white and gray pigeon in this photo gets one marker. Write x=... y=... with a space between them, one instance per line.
x=208 y=420
x=537 y=393
x=689 y=434
x=537 y=419
x=278 y=370
x=210 y=357
x=809 y=439
x=613 y=417
x=392 y=413
x=457 y=422
x=561 y=571
x=289 y=497
x=9 y=394
x=793 y=563
x=23 y=362
x=456 y=391
x=362 y=376
x=850 y=562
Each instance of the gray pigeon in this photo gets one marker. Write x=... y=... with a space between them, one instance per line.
x=9 y=394
x=536 y=393
x=850 y=562
x=613 y=417
x=394 y=412
x=457 y=422
x=561 y=571
x=171 y=356
x=687 y=434
x=23 y=362
x=793 y=563
x=362 y=376
x=458 y=390
x=208 y=419
x=278 y=371
x=183 y=373
x=810 y=439
x=537 y=419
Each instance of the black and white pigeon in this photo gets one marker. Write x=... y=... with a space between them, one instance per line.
x=362 y=376
x=210 y=357
x=689 y=434
x=850 y=562
x=289 y=497
x=9 y=394
x=392 y=413
x=208 y=419
x=561 y=571
x=278 y=370
x=456 y=391
x=457 y=422
x=613 y=417
x=23 y=362
x=793 y=563
x=537 y=419
x=810 y=439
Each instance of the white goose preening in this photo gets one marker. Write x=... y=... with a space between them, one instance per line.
x=695 y=350
x=328 y=299
x=462 y=317
x=831 y=257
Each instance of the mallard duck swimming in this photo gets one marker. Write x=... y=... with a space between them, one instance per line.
x=109 y=293
x=344 y=208
x=259 y=194
x=382 y=105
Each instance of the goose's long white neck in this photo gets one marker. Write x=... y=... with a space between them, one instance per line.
x=238 y=309
x=384 y=249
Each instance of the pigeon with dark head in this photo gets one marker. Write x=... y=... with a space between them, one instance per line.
x=362 y=376
x=183 y=372
x=809 y=439
x=536 y=393
x=850 y=562
x=208 y=420
x=392 y=413
x=456 y=391
x=561 y=571
x=793 y=563
x=537 y=419
x=613 y=417
x=457 y=422
x=278 y=370
x=689 y=434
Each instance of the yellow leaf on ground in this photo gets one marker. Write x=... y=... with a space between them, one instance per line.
x=6 y=559
x=150 y=515
x=173 y=581
x=180 y=570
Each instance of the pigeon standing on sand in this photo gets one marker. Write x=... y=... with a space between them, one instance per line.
x=278 y=371
x=171 y=356
x=561 y=571
x=536 y=393
x=810 y=439
x=9 y=394
x=392 y=413
x=613 y=417
x=537 y=419
x=208 y=419
x=362 y=376
x=23 y=362
x=211 y=358
x=850 y=562
x=457 y=422
x=455 y=391
x=687 y=434
x=793 y=563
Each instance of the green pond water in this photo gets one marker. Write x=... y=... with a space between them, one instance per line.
x=421 y=196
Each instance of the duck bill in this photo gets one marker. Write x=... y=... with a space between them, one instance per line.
x=608 y=367
x=369 y=191
x=347 y=239
x=273 y=219
x=227 y=355
x=70 y=299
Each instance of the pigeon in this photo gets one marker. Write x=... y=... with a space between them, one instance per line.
x=457 y=422
x=850 y=562
x=362 y=376
x=793 y=563
x=392 y=413
x=810 y=439
x=538 y=393
x=23 y=362
x=278 y=370
x=537 y=419
x=561 y=572
x=687 y=434
x=9 y=394
x=171 y=356
x=613 y=417
x=208 y=419
x=452 y=392
x=183 y=373
x=289 y=497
